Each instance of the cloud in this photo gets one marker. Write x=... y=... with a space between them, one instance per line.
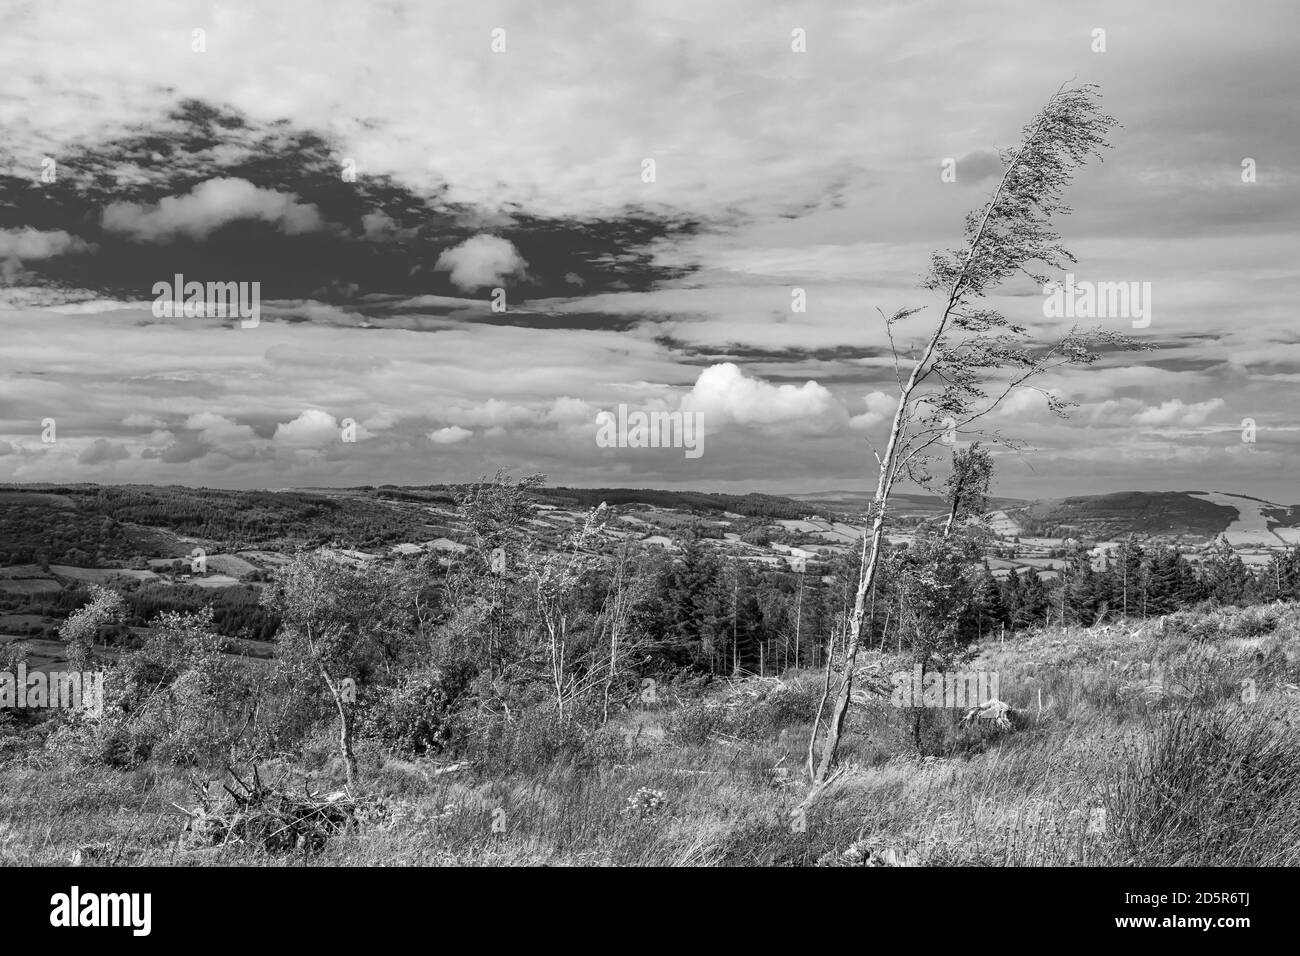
x=1176 y=412
x=1171 y=413
x=184 y=449
x=974 y=168
x=138 y=420
x=218 y=430
x=880 y=409
x=37 y=244
x=492 y=413
x=101 y=451
x=380 y=227
x=33 y=244
x=208 y=207
x=449 y=435
x=482 y=261
x=723 y=392
x=312 y=428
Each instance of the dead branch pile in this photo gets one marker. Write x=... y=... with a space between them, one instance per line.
x=275 y=820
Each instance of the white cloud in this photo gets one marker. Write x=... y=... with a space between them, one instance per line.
x=449 y=435
x=482 y=261
x=723 y=392
x=880 y=409
x=1176 y=412
x=493 y=412
x=1173 y=412
x=312 y=428
x=208 y=207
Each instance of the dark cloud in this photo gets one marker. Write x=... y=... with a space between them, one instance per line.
x=213 y=197
x=101 y=451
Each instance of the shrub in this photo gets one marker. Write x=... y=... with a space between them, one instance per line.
x=694 y=724
x=419 y=715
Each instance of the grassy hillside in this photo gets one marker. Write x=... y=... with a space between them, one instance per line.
x=1131 y=746
x=1140 y=512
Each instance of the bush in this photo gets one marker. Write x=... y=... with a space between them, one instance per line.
x=694 y=724
x=419 y=715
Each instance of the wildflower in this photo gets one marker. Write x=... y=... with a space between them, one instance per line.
x=645 y=803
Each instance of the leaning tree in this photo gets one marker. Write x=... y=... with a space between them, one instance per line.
x=974 y=356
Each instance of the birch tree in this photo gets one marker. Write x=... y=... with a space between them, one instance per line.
x=974 y=357
x=336 y=621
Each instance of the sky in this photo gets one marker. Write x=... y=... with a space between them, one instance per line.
x=476 y=226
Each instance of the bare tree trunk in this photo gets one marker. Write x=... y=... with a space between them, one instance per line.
x=613 y=662
x=952 y=514
x=821 y=705
x=345 y=730
x=798 y=621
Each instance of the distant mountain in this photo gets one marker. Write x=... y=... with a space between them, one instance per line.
x=1244 y=520
x=1208 y=514
x=903 y=504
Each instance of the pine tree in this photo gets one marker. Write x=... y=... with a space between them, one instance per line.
x=1012 y=597
x=987 y=602
x=1034 y=598
x=1225 y=577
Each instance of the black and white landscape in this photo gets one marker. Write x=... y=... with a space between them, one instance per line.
x=674 y=434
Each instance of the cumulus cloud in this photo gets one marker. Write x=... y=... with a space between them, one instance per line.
x=449 y=435
x=208 y=207
x=310 y=429
x=203 y=434
x=880 y=409
x=1173 y=413
x=567 y=410
x=724 y=392
x=482 y=261
x=492 y=413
